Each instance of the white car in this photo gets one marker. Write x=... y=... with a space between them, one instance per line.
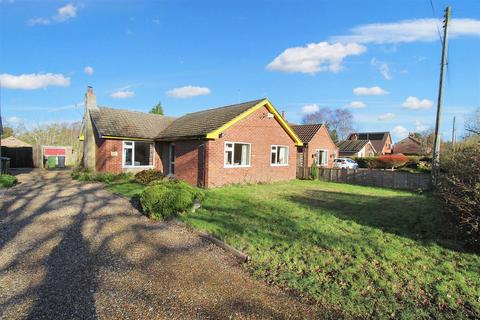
x=346 y=163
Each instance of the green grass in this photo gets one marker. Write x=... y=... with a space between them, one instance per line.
x=364 y=252
x=127 y=189
x=7 y=181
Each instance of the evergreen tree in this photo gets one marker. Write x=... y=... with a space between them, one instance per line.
x=158 y=109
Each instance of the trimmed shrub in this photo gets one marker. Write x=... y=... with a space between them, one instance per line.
x=392 y=160
x=367 y=162
x=459 y=187
x=314 y=171
x=148 y=176
x=166 y=198
x=7 y=181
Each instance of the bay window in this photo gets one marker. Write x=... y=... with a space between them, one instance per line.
x=237 y=154
x=279 y=156
x=138 y=154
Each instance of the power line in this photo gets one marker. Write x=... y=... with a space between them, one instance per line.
x=436 y=24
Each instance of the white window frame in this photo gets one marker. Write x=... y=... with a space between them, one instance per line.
x=276 y=152
x=133 y=154
x=317 y=154
x=225 y=165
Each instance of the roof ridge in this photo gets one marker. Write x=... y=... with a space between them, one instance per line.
x=224 y=107
x=136 y=111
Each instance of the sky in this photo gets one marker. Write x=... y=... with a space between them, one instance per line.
x=379 y=59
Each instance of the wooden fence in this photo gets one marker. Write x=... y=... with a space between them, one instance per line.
x=371 y=177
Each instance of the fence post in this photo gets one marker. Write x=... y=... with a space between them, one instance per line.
x=393 y=179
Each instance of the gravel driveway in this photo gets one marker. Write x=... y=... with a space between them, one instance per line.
x=75 y=251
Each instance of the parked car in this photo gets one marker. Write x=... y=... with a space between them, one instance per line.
x=346 y=163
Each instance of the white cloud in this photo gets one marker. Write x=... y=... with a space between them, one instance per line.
x=400 y=132
x=88 y=70
x=122 y=94
x=372 y=91
x=356 y=105
x=64 y=13
x=188 y=92
x=415 y=104
x=409 y=31
x=38 y=21
x=310 y=108
x=315 y=57
x=419 y=126
x=33 y=81
x=14 y=120
x=383 y=67
x=386 y=116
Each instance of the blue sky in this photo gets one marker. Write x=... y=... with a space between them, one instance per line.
x=378 y=58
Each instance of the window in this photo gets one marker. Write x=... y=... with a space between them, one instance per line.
x=322 y=157
x=137 y=154
x=237 y=154
x=279 y=156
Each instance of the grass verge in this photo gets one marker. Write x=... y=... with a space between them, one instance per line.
x=366 y=252
x=7 y=181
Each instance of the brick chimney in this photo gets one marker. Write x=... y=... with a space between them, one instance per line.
x=90 y=99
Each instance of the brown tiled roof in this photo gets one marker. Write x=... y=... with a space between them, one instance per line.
x=198 y=124
x=351 y=145
x=131 y=124
x=377 y=139
x=306 y=131
x=12 y=142
x=410 y=146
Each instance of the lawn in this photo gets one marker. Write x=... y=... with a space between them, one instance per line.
x=127 y=189
x=364 y=252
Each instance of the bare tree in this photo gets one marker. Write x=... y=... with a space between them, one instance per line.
x=339 y=121
x=472 y=125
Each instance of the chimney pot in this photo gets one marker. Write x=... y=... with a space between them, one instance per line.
x=284 y=115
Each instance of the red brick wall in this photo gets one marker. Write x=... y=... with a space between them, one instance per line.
x=262 y=133
x=188 y=160
x=321 y=140
x=105 y=161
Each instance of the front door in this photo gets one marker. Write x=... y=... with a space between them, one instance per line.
x=171 y=159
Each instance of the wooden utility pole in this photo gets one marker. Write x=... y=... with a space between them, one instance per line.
x=453 y=134
x=437 y=141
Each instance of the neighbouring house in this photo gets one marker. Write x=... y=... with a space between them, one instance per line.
x=317 y=146
x=245 y=142
x=356 y=148
x=381 y=141
x=411 y=146
x=19 y=152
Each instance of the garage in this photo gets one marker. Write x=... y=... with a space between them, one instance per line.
x=19 y=152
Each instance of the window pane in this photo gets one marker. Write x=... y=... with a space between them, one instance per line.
x=237 y=154
x=228 y=158
x=142 y=154
x=282 y=155
x=245 y=154
x=128 y=156
x=274 y=155
x=128 y=144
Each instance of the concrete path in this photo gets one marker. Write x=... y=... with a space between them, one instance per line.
x=74 y=251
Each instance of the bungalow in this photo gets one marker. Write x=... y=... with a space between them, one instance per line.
x=245 y=142
x=356 y=148
x=381 y=141
x=411 y=146
x=317 y=145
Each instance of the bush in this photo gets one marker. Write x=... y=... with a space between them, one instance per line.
x=392 y=160
x=367 y=162
x=148 y=176
x=105 y=177
x=164 y=199
x=7 y=181
x=459 y=187
x=314 y=171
